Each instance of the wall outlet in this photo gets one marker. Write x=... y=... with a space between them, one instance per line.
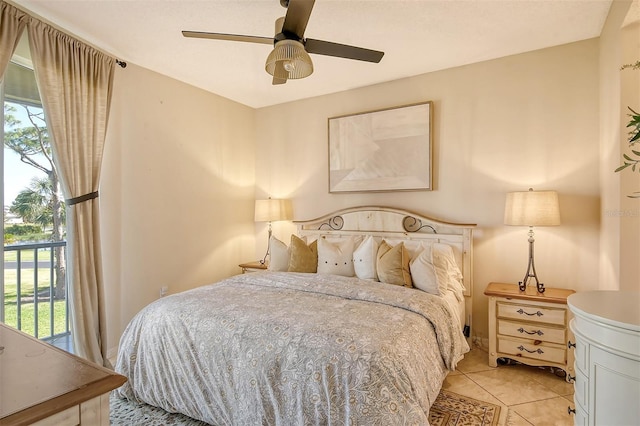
x=163 y=291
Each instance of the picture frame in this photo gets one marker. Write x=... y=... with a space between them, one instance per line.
x=382 y=150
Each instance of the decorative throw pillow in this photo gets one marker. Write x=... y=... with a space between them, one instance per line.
x=414 y=247
x=423 y=272
x=364 y=259
x=302 y=257
x=336 y=257
x=279 y=255
x=393 y=264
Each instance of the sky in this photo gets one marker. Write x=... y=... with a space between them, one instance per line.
x=17 y=175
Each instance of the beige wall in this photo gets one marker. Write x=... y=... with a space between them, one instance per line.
x=181 y=159
x=528 y=120
x=177 y=191
x=630 y=181
x=611 y=136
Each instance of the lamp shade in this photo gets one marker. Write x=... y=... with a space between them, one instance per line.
x=289 y=59
x=532 y=208
x=273 y=210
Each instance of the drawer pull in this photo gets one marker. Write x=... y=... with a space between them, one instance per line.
x=571 y=378
x=571 y=345
x=538 y=332
x=521 y=311
x=570 y=410
x=522 y=348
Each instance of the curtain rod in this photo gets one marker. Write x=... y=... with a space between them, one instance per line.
x=34 y=15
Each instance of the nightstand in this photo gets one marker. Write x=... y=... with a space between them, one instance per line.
x=254 y=266
x=530 y=327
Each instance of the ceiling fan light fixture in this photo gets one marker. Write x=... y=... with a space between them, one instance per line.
x=290 y=57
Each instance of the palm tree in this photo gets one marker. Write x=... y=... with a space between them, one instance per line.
x=34 y=204
x=41 y=203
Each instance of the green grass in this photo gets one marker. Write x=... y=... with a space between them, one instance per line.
x=27 y=255
x=27 y=309
x=27 y=314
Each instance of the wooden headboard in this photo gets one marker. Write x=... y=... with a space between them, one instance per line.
x=393 y=223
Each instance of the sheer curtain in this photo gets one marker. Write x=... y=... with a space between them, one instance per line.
x=75 y=83
x=12 y=22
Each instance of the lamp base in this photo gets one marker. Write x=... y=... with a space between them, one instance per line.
x=264 y=259
x=522 y=285
x=531 y=269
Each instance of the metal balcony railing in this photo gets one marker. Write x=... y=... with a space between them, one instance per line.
x=31 y=301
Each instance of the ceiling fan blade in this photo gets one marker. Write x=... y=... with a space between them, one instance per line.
x=298 y=12
x=229 y=37
x=321 y=47
x=279 y=74
x=277 y=81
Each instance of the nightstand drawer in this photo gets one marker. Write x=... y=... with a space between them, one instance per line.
x=532 y=313
x=535 y=331
x=527 y=349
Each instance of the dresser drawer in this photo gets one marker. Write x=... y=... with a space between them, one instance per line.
x=68 y=417
x=544 y=333
x=532 y=313
x=582 y=357
x=527 y=349
x=581 y=390
x=581 y=417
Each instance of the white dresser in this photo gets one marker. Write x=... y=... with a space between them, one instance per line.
x=606 y=326
x=44 y=386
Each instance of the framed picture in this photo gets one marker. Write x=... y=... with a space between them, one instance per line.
x=384 y=150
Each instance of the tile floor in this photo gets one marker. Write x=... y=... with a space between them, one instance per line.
x=527 y=395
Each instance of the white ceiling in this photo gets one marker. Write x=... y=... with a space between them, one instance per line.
x=417 y=37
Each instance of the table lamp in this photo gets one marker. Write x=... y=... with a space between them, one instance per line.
x=532 y=208
x=272 y=210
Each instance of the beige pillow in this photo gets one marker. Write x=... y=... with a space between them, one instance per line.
x=393 y=264
x=303 y=257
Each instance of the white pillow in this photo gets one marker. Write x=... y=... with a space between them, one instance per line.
x=444 y=259
x=423 y=273
x=336 y=258
x=279 y=257
x=364 y=259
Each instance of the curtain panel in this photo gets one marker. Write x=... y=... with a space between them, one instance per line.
x=12 y=23
x=75 y=82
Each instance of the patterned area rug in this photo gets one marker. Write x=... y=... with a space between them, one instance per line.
x=452 y=409
x=449 y=409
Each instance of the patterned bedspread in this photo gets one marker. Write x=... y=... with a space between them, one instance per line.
x=292 y=349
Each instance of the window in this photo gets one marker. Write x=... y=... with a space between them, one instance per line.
x=33 y=290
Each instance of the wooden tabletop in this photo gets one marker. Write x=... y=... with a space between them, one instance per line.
x=511 y=291
x=38 y=380
x=256 y=264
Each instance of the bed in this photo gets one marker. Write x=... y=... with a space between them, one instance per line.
x=293 y=347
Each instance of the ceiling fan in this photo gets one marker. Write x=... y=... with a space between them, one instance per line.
x=290 y=58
